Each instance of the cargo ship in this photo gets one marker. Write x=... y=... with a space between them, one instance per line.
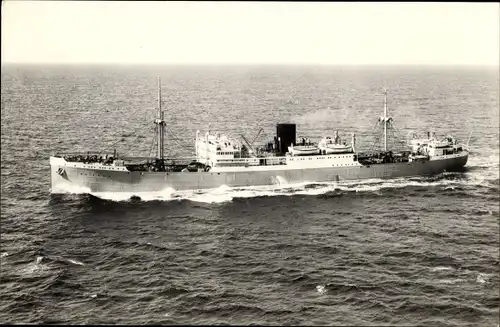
x=222 y=160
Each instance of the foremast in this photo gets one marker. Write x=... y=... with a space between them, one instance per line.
x=386 y=120
x=160 y=122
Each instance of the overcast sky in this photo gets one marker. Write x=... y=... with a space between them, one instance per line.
x=254 y=33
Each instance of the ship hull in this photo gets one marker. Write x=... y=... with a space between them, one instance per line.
x=90 y=178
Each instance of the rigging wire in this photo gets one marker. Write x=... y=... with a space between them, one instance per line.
x=376 y=140
x=154 y=138
x=173 y=137
x=183 y=147
x=393 y=132
x=134 y=139
x=176 y=139
x=123 y=138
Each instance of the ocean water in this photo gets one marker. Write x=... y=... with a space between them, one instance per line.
x=409 y=251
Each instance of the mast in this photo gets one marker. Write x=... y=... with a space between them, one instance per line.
x=385 y=119
x=161 y=124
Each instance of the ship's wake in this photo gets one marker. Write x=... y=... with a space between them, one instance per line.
x=479 y=173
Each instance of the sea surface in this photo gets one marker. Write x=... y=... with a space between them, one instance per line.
x=408 y=251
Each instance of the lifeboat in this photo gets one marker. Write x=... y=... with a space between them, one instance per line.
x=416 y=142
x=440 y=144
x=328 y=146
x=446 y=142
x=303 y=150
x=335 y=148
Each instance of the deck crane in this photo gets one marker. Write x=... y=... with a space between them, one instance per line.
x=250 y=144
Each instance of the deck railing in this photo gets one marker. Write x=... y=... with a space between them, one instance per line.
x=100 y=157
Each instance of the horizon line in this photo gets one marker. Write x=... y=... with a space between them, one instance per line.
x=240 y=64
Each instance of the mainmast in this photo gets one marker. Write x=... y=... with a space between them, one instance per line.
x=161 y=124
x=385 y=119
